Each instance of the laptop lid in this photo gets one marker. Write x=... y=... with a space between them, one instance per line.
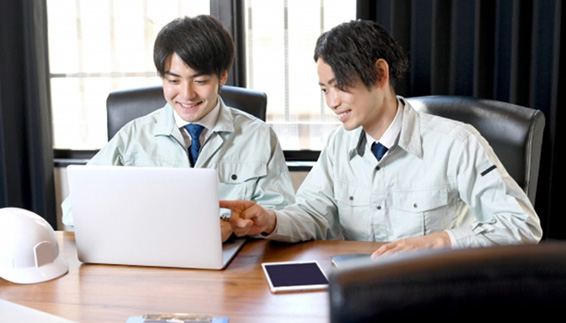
x=148 y=216
x=12 y=312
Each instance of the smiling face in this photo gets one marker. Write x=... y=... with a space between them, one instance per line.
x=192 y=94
x=372 y=108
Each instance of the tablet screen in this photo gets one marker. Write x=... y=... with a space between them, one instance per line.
x=295 y=276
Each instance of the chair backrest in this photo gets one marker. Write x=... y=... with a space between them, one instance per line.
x=508 y=282
x=123 y=106
x=514 y=132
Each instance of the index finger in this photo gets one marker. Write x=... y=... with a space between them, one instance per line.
x=238 y=205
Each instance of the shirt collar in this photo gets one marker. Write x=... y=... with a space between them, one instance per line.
x=167 y=122
x=390 y=135
x=409 y=136
x=208 y=121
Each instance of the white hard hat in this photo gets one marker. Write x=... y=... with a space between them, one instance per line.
x=29 y=252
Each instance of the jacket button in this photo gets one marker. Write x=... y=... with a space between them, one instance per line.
x=234 y=176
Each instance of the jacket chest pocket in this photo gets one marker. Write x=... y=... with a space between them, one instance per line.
x=237 y=180
x=350 y=196
x=353 y=204
x=420 y=212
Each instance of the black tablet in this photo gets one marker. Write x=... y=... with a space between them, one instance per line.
x=294 y=276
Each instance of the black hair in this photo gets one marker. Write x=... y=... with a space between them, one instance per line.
x=202 y=42
x=352 y=48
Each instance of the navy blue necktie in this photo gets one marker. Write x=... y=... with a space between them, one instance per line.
x=378 y=150
x=194 y=131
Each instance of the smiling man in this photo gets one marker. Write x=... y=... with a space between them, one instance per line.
x=390 y=173
x=195 y=128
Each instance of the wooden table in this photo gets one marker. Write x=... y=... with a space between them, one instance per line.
x=110 y=293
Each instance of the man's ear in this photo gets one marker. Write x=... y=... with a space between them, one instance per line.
x=382 y=72
x=223 y=78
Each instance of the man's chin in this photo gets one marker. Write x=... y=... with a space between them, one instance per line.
x=349 y=127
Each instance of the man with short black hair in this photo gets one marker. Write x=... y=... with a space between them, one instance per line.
x=390 y=173
x=195 y=128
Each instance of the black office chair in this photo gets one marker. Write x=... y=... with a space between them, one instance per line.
x=123 y=106
x=514 y=132
x=511 y=283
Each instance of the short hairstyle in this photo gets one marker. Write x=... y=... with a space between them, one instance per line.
x=352 y=48
x=202 y=42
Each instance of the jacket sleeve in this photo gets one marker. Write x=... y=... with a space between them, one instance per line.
x=314 y=215
x=275 y=189
x=503 y=212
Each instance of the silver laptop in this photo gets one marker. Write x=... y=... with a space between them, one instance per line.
x=12 y=312
x=148 y=216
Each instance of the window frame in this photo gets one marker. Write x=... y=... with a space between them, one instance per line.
x=232 y=15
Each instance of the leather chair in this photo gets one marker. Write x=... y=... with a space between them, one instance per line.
x=514 y=132
x=123 y=106
x=495 y=284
